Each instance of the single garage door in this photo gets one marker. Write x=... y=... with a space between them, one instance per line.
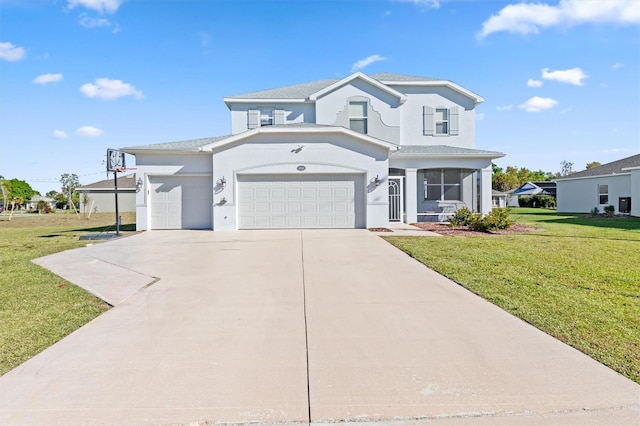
x=181 y=202
x=293 y=201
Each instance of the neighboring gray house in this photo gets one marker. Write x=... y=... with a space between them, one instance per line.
x=357 y=152
x=99 y=197
x=33 y=202
x=616 y=184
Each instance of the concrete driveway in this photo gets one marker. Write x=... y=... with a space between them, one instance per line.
x=291 y=326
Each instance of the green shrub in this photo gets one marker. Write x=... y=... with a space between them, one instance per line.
x=594 y=211
x=461 y=217
x=497 y=219
x=524 y=201
x=544 y=201
x=609 y=211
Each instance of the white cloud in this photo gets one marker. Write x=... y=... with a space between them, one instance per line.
x=108 y=6
x=617 y=65
x=529 y=18
x=480 y=116
x=505 y=107
x=59 y=134
x=367 y=61
x=10 y=52
x=431 y=4
x=571 y=76
x=89 y=22
x=537 y=104
x=534 y=83
x=89 y=131
x=47 y=78
x=105 y=88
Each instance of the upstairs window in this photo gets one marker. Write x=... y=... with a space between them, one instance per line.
x=358 y=117
x=264 y=117
x=603 y=194
x=441 y=121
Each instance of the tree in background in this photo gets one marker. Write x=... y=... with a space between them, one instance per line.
x=69 y=184
x=593 y=164
x=19 y=190
x=566 y=168
x=515 y=177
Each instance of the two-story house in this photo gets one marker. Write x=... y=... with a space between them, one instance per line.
x=356 y=152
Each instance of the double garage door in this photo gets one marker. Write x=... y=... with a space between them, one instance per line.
x=293 y=201
x=181 y=202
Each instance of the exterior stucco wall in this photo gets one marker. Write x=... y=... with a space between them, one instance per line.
x=411 y=125
x=104 y=201
x=166 y=164
x=581 y=195
x=281 y=154
x=293 y=113
x=635 y=192
x=384 y=112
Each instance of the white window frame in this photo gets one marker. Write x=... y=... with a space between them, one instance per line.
x=363 y=118
x=267 y=117
x=444 y=122
x=603 y=194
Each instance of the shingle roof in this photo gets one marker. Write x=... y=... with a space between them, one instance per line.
x=296 y=91
x=186 y=145
x=426 y=150
x=304 y=90
x=124 y=182
x=387 y=76
x=614 y=167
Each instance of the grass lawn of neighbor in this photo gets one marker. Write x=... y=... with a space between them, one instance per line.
x=38 y=308
x=575 y=277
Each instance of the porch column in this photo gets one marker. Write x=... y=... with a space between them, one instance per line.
x=485 y=190
x=411 y=192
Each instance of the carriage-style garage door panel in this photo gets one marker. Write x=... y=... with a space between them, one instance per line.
x=181 y=202
x=293 y=201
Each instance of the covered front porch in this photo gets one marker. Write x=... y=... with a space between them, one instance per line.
x=430 y=183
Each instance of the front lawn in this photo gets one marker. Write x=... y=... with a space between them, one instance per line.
x=38 y=308
x=577 y=278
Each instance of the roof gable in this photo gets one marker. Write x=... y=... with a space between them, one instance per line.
x=358 y=76
x=301 y=128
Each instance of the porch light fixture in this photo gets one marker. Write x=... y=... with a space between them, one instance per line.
x=138 y=184
x=376 y=181
x=222 y=182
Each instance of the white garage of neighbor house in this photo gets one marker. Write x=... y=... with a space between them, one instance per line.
x=99 y=197
x=357 y=152
x=616 y=184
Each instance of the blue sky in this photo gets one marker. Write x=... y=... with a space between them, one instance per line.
x=560 y=79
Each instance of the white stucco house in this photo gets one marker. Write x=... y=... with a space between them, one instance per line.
x=356 y=152
x=99 y=197
x=616 y=184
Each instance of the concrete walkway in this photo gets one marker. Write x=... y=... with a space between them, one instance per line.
x=271 y=326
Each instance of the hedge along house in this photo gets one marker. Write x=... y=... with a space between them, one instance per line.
x=357 y=152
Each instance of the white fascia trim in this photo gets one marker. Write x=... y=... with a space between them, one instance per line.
x=443 y=156
x=163 y=151
x=263 y=100
x=592 y=177
x=402 y=97
x=628 y=169
x=446 y=83
x=276 y=130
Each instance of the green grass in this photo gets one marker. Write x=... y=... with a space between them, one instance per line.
x=577 y=278
x=38 y=308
